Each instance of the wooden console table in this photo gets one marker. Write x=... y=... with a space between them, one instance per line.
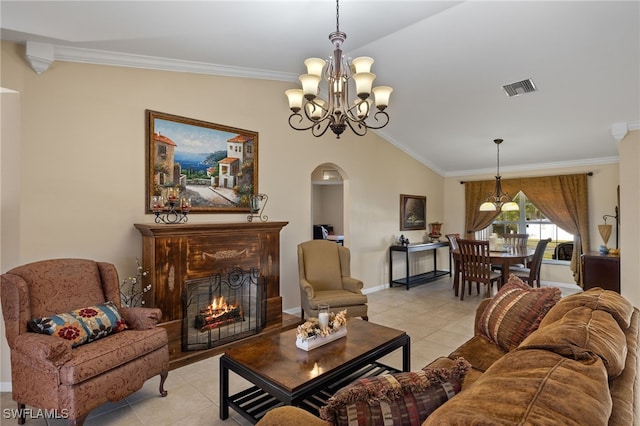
x=412 y=280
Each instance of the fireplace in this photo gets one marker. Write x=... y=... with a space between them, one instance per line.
x=191 y=251
x=222 y=308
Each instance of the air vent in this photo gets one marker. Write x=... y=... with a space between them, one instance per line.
x=519 y=88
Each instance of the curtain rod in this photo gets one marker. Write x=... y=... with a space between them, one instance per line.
x=462 y=182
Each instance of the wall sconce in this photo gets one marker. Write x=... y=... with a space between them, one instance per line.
x=616 y=217
x=257 y=202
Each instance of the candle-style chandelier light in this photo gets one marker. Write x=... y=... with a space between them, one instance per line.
x=498 y=200
x=337 y=111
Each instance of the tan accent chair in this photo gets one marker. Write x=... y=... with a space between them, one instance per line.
x=325 y=277
x=46 y=372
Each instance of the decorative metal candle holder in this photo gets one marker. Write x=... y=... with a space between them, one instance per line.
x=175 y=210
x=258 y=201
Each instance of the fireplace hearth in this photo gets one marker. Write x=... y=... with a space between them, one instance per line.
x=223 y=307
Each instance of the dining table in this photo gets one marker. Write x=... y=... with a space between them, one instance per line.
x=505 y=258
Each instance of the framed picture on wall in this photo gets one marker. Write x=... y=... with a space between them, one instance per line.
x=214 y=167
x=413 y=210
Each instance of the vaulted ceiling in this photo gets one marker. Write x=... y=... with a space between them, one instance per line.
x=446 y=60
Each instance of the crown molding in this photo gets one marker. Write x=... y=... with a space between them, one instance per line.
x=40 y=56
x=539 y=166
x=44 y=53
x=620 y=130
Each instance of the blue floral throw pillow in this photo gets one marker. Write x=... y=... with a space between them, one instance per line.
x=81 y=325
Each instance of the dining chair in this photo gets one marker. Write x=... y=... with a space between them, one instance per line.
x=455 y=254
x=476 y=265
x=531 y=274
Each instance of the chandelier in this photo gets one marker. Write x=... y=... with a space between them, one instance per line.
x=336 y=112
x=498 y=200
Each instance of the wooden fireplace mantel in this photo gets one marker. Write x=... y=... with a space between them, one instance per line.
x=179 y=252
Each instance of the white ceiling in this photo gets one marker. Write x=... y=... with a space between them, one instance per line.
x=445 y=60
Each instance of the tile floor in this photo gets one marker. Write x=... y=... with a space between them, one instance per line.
x=436 y=321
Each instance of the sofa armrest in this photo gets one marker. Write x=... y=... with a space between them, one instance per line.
x=43 y=348
x=352 y=284
x=307 y=288
x=141 y=318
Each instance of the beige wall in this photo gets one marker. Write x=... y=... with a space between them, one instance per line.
x=630 y=216
x=82 y=159
x=602 y=200
x=78 y=157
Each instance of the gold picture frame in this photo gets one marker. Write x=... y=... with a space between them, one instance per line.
x=214 y=166
x=413 y=211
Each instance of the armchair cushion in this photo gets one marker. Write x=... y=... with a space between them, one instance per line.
x=515 y=312
x=105 y=355
x=337 y=298
x=82 y=325
x=402 y=398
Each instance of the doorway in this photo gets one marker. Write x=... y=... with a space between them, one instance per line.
x=328 y=195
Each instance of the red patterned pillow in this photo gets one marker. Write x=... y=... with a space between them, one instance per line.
x=398 y=399
x=515 y=312
x=81 y=325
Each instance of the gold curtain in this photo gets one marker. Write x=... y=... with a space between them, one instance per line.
x=475 y=193
x=563 y=199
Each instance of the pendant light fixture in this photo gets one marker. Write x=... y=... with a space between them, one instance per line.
x=498 y=200
x=336 y=112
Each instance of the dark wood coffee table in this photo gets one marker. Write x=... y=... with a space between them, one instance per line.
x=282 y=374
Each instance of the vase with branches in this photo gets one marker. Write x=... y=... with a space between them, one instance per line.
x=133 y=288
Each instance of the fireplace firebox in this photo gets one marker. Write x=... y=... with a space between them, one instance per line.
x=222 y=308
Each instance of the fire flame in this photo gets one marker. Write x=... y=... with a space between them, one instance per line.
x=219 y=306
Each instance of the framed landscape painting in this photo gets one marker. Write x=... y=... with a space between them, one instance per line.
x=413 y=212
x=213 y=166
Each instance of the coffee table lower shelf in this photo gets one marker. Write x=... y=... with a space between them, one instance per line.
x=253 y=403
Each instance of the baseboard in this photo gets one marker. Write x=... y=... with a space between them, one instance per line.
x=5 y=387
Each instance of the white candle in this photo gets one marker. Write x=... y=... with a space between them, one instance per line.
x=323 y=319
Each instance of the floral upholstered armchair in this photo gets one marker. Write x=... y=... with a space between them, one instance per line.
x=73 y=347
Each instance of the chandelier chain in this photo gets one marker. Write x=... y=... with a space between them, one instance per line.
x=498 y=144
x=337 y=16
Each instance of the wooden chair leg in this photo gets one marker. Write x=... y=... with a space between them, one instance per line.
x=163 y=377
x=21 y=415
x=366 y=318
x=462 y=289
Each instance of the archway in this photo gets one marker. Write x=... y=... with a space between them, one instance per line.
x=329 y=185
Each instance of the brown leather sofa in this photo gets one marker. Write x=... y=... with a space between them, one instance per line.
x=579 y=367
x=46 y=371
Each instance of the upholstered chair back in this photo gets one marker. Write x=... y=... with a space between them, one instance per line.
x=321 y=264
x=61 y=285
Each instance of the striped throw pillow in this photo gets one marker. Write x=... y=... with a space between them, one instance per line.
x=515 y=312
x=398 y=399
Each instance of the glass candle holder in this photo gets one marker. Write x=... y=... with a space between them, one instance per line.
x=323 y=315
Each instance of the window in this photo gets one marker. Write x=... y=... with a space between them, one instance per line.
x=534 y=223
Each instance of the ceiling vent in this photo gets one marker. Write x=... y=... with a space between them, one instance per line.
x=519 y=88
